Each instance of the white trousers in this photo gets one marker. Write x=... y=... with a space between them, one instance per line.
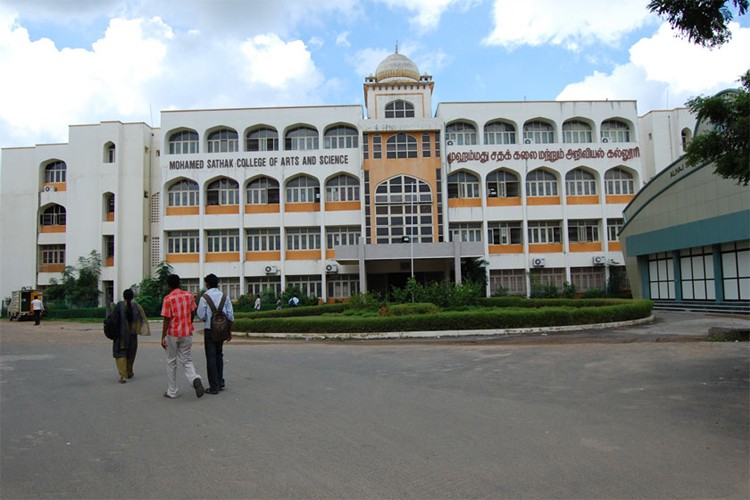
x=178 y=349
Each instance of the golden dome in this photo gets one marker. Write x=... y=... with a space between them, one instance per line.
x=396 y=67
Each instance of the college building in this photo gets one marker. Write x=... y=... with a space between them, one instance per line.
x=341 y=199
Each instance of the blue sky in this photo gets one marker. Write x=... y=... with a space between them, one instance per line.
x=84 y=61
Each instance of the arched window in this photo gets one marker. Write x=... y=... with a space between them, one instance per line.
x=576 y=131
x=262 y=139
x=615 y=131
x=399 y=109
x=401 y=146
x=618 y=181
x=303 y=189
x=579 y=182
x=55 y=172
x=403 y=211
x=341 y=137
x=301 y=139
x=54 y=215
x=109 y=153
x=223 y=141
x=184 y=193
x=538 y=132
x=686 y=137
x=502 y=184
x=541 y=183
x=463 y=185
x=342 y=188
x=223 y=192
x=109 y=206
x=263 y=191
x=183 y=143
x=499 y=133
x=461 y=133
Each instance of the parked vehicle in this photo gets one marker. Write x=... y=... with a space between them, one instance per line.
x=20 y=303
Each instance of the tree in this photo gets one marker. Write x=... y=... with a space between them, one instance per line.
x=726 y=140
x=152 y=290
x=78 y=285
x=703 y=22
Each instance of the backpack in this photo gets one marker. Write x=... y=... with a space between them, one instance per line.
x=112 y=324
x=221 y=327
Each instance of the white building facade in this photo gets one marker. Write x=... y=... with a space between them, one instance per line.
x=337 y=199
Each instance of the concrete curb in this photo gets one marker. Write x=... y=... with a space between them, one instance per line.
x=443 y=333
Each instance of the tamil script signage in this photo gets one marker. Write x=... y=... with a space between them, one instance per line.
x=545 y=155
x=260 y=161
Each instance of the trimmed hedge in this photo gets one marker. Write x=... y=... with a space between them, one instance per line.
x=517 y=301
x=87 y=312
x=491 y=318
x=411 y=308
x=292 y=312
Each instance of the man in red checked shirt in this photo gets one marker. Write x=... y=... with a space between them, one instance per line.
x=177 y=336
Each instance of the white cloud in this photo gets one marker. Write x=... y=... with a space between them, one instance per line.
x=273 y=62
x=342 y=39
x=51 y=88
x=427 y=13
x=665 y=71
x=366 y=60
x=571 y=23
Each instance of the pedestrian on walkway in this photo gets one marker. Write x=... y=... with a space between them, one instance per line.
x=177 y=336
x=37 y=307
x=132 y=322
x=214 y=347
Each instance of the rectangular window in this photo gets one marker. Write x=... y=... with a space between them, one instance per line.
x=342 y=286
x=109 y=247
x=583 y=231
x=465 y=231
x=661 y=276
x=183 y=242
x=264 y=240
x=223 y=241
x=510 y=281
x=735 y=263
x=544 y=232
x=697 y=274
x=588 y=278
x=311 y=286
x=52 y=254
x=505 y=233
x=377 y=147
x=365 y=146
x=342 y=235
x=426 y=145
x=258 y=285
x=303 y=238
x=614 y=226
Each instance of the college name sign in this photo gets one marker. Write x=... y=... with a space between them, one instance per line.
x=547 y=155
x=261 y=161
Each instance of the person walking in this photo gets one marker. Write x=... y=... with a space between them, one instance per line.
x=132 y=322
x=257 y=303
x=37 y=307
x=214 y=348
x=177 y=336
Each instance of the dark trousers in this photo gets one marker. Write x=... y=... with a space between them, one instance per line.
x=214 y=361
x=37 y=316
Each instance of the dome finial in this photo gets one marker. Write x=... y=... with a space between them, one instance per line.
x=396 y=46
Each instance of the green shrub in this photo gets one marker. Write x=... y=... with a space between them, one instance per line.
x=412 y=308
x=84 y=312
x=475 y=319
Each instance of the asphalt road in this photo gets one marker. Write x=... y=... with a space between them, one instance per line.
x=579 y=419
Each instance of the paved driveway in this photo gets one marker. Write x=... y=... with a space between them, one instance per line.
x=589 y=418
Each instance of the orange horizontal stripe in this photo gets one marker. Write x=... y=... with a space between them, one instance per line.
x=302 y=207
x=504 y=202
x=464 y=202
x=334 y=206
x=545 y=248
x=263 y=209
x=223 y=257
x=500 y=249
x=303 y=255
x=594 y=246
x=183 y=257
x=261 y=256
x=543 y=200
x=582 y=200
x=222 y=209
x=52 y=229
x=183 y=210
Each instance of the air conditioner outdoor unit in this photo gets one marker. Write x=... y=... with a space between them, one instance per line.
x=605 y=140
x=332 y=268
x=599 y=260
x=271 y=270
x=49 y=189
x=538 y=261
